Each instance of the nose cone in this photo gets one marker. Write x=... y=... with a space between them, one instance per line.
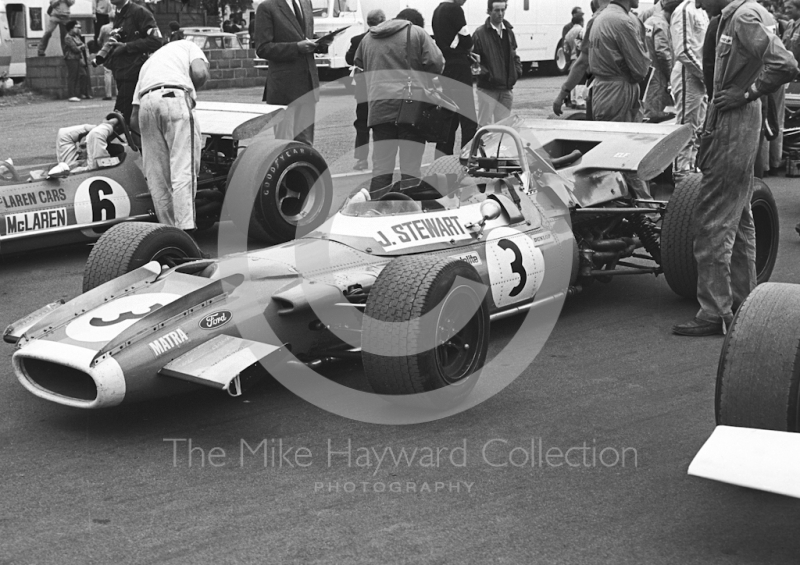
x=62 y=373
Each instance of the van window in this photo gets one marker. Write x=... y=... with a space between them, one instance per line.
x=35 y=15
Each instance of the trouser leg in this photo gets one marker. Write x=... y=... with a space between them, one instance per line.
x=52 y=24
x=615 y=101
x=182 y=136
x=457 y=84
x=488 y=100
x=502 y=110
x=384 y=153
x=362 y=131
x=411 y=149
x=97 y=144
x=724 y=245
x=73 y=89
x=297 y=123
x=124 y=103
x=100 y=21
x=108 y=82
x=155 y=158
x=690 y=103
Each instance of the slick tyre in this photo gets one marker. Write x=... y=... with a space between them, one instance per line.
x=281 y=190
x=426 y=327
x=677 y=235
x=758 y=377
x=130 y=245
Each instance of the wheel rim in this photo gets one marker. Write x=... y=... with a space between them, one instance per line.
x=561 y=60
x=460 y=349
x=764 y=220
x=169 y=256
x=298 y=198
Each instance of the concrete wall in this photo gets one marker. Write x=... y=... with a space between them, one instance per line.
x=230 y=68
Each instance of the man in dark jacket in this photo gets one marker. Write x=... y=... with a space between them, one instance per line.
x=454 y=41
x=383 y=56
x=496 y=45
x=374 y=18
x=283 y=32
x=138 y=38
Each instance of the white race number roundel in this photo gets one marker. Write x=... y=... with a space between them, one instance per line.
x=99 y=199
x=516 y=266
x=109 y=320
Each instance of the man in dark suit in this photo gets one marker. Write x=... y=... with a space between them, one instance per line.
x=374 y=18
x=283 y=32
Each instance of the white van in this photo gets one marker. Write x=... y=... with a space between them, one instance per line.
x=5 y=44
x=25 y=21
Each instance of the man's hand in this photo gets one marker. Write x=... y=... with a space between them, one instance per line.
x=306 y=46
x=730 y=99
x=559 y=102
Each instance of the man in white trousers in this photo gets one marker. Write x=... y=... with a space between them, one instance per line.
x=163 y=105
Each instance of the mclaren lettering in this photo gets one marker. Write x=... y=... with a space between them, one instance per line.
x=35 y=221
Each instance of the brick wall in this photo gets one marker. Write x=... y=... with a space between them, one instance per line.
x=230 y=68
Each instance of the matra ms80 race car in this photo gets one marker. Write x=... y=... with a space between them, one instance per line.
x=408 y=282
x=40 y=210
x=756 y=443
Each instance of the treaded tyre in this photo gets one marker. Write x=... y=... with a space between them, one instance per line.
x=130 y=245
x=417 y=302
x=293 y=190
x=677 y=235
x=758 y=376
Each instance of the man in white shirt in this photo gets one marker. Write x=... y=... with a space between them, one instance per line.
x=688 y=30
x=163 y=105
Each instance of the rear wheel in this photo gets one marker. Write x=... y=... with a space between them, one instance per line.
x=295 y=190
x=678 y=230
x=426 y=327
x=130 y=245
x=758 y=377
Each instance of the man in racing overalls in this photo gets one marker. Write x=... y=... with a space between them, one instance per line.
x=659 y=46
x=751 y=61
x=619 y=62
x=688 y=30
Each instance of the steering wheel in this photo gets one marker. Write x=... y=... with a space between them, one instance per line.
x=9 y=173
x=395 y=196
x=121 y=130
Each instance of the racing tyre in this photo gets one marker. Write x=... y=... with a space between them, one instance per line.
x=416 y=303
x=677 y=235
x=577 y=116
x=130 y=245
x=758 y=377
x=293 y=190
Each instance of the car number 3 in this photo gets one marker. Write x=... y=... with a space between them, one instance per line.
x=516 y=266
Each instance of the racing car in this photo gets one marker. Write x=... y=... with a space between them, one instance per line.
x=41 y=208
x=408 y=282
x=757 y=401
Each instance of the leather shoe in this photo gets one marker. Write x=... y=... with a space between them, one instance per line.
x=698 y=328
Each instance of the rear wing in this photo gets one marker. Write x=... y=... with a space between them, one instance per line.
x=239 y=121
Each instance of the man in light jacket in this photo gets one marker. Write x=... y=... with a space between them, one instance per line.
x=497 y=46
x=383 y=56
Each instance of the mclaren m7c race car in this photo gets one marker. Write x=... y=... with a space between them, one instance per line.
x=407 y=280
x=47 y=205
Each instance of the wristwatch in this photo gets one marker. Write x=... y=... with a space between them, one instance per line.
x=751 y=94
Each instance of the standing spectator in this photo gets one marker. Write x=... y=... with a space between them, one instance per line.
x=455 y=42
x=102 y=10
x=76 y=60
x=659 y=46
x=577 y=19
x=496 y=45
x=283 y=32
x=619 y=62
x=571 y=45
x=59 y=16
x=383 y=56
x=361 y=153
x=791 y=37
x=751 y=62
x=164 y=103
x=139 y=37
x=688 y=29
x=108 y=75
x=175 y=33
x=579 y=71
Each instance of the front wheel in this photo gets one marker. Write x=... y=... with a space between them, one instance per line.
x=758 y=377
x=130 y=245
x=426 y=327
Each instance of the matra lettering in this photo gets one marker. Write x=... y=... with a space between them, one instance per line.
x=169 y=341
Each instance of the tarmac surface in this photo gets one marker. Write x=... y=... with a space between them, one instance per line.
x=612 y=383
